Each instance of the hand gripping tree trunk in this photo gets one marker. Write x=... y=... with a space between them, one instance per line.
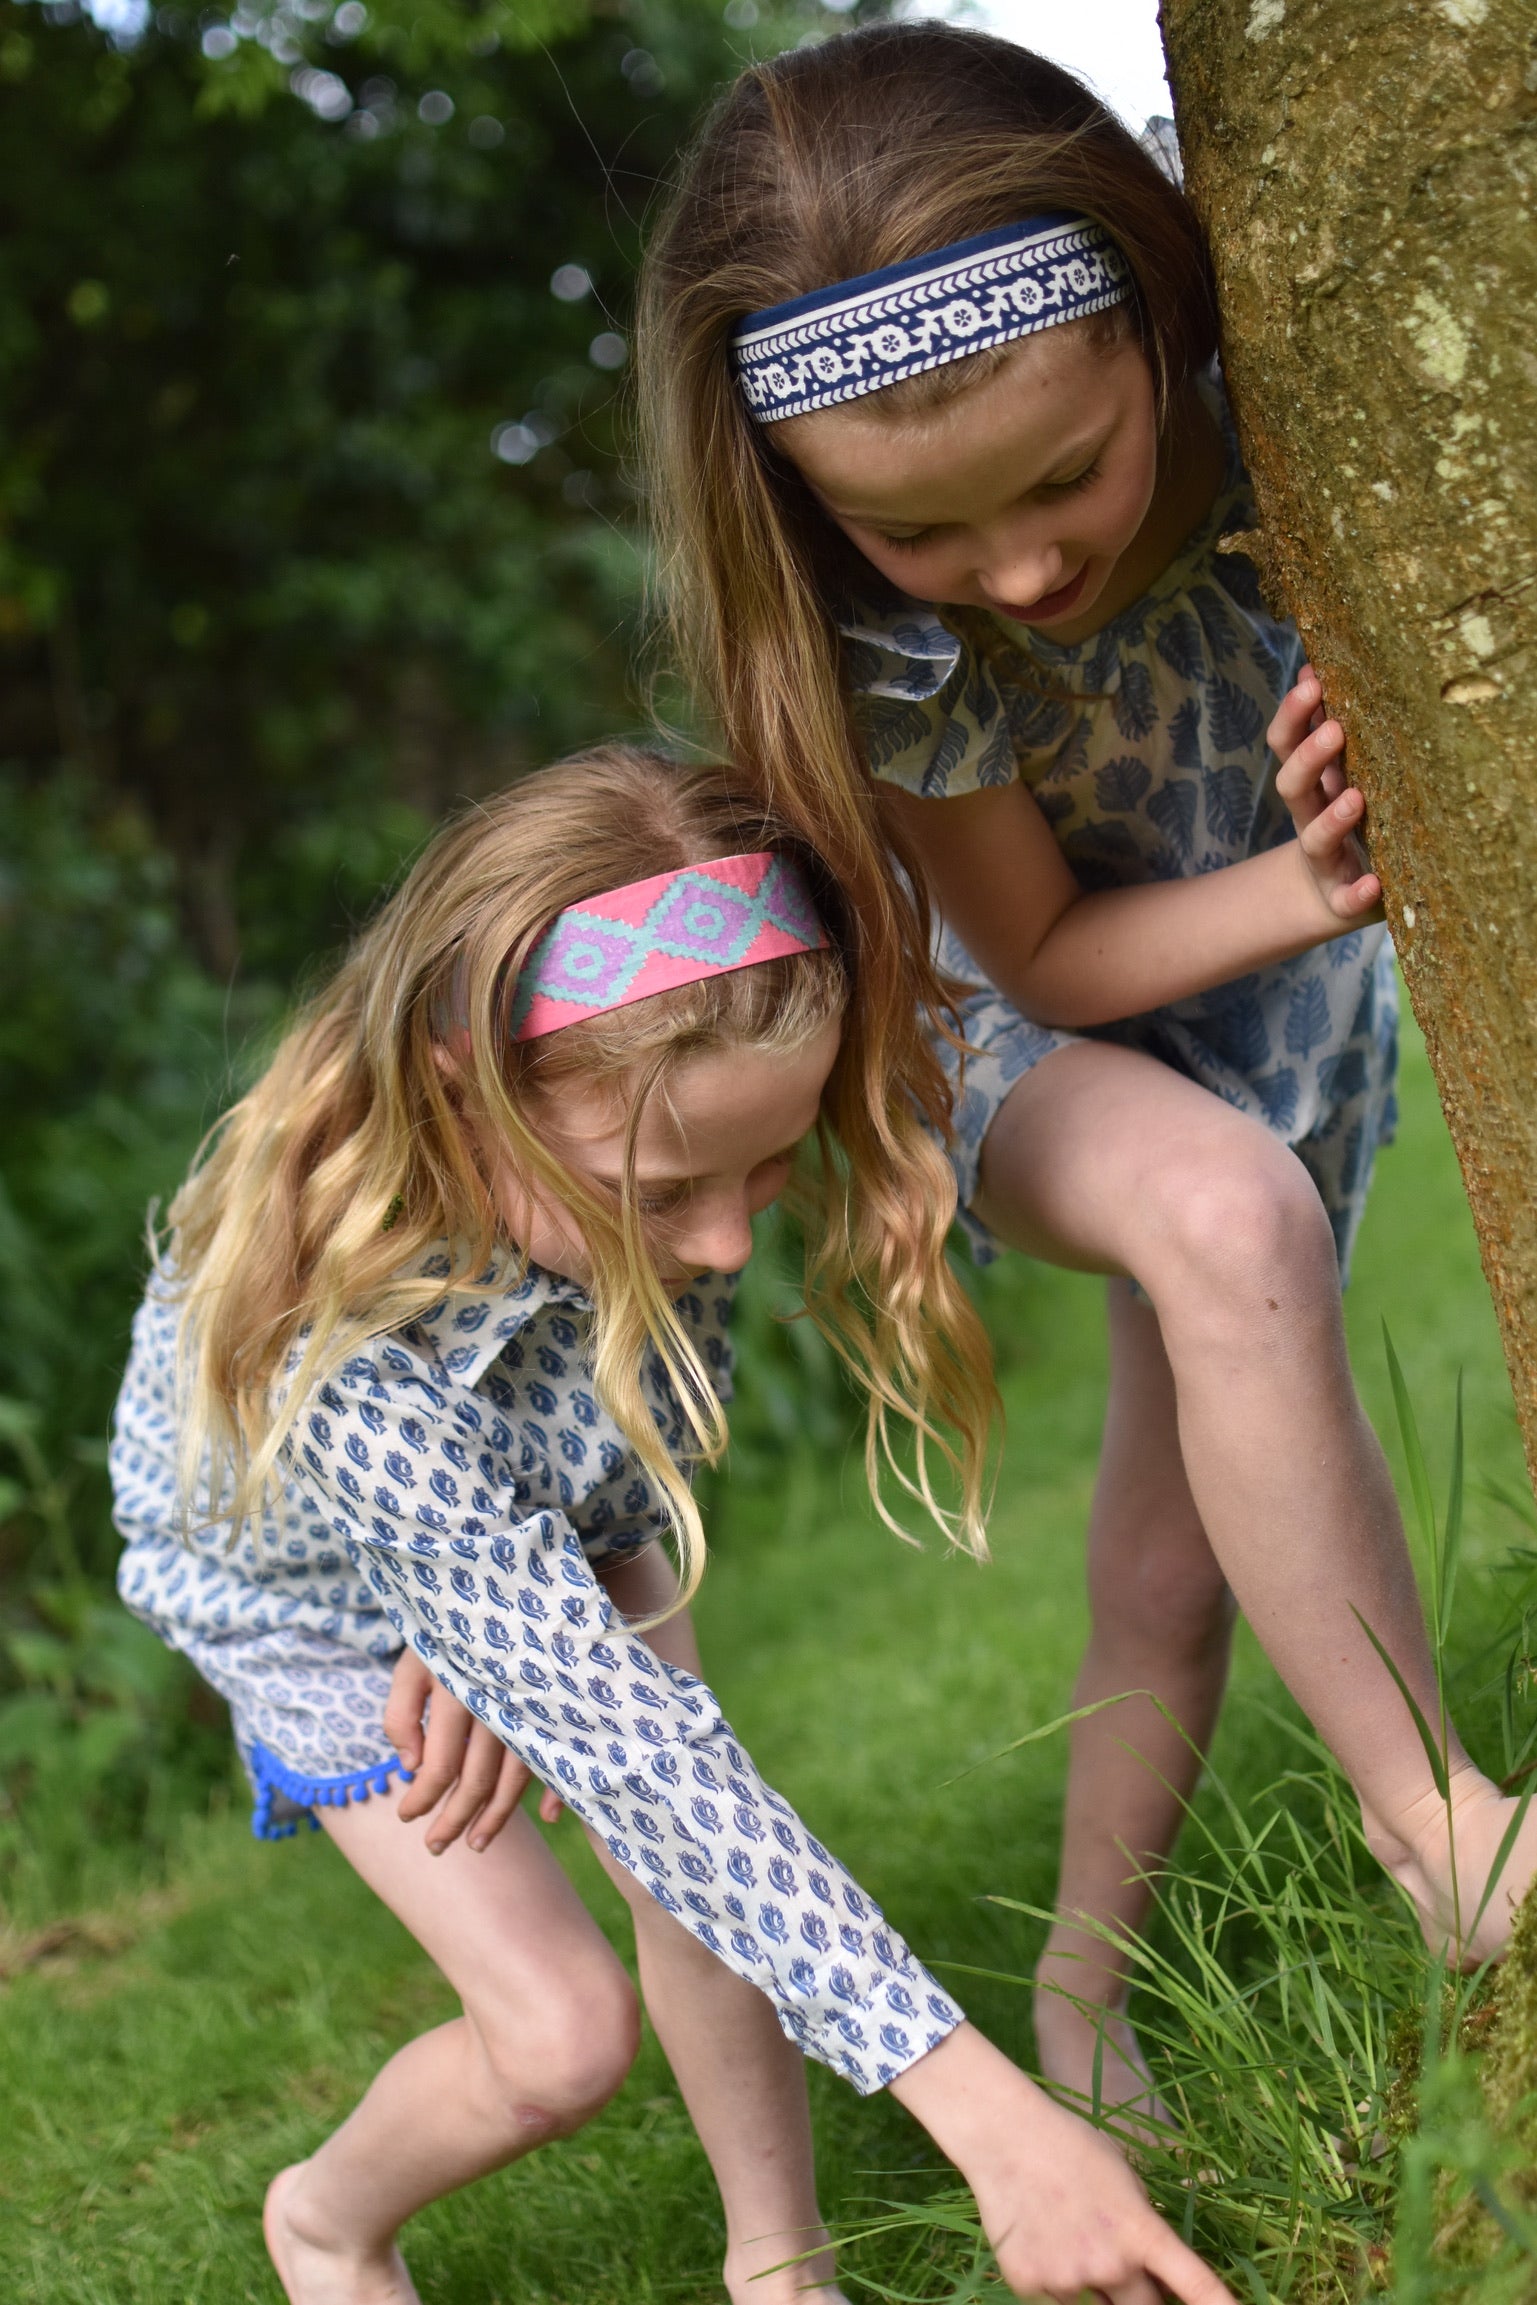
x=1366 y=171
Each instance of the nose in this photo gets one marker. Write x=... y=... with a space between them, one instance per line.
x=1021 y=565
x=719 y=1240
x=1021 y=579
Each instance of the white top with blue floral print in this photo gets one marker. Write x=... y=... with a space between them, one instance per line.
x=451 y=1486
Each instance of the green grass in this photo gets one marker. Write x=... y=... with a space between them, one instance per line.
x=213 y=2020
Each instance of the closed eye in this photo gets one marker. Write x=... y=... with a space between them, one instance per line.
x=662 y=1204
x=1070 y=487
x=661 y=1200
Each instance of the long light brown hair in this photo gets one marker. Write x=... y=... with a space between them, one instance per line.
x=867 y=149
x=303 y=1226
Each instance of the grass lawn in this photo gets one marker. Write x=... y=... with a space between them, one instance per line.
x=183 y=2042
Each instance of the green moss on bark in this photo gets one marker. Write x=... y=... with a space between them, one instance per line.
x=1367 y=174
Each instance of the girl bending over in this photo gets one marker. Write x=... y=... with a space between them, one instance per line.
x=949 y=494
x=438 y=1334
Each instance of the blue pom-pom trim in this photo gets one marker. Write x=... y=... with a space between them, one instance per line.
x=274 y=1777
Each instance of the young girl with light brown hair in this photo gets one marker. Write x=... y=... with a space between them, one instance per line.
x=948 y=497
x=436 y=1338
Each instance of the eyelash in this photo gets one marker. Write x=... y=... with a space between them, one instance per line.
x=659 y=1204
x=1079 y=481
x=668 y=1203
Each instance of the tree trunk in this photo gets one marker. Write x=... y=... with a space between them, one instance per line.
x=1365 y=170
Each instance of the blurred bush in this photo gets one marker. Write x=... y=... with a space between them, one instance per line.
x=313 y=518
x=312 y=331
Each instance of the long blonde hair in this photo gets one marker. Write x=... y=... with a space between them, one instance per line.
x=304 y=1225
x=864 y=150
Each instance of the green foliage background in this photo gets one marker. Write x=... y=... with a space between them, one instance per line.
x=313 y=519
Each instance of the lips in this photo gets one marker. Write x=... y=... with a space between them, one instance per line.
x=1050 y=604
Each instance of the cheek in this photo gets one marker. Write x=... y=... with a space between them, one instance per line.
x=1129 y=490
x=551 y=1241
x=926 y=575
x=762 y=1192
x=546 y=1234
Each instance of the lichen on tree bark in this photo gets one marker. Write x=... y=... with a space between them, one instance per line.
x=1365 y=170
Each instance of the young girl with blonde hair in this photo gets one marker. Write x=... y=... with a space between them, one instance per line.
x=416 y=1388
x=948 y=498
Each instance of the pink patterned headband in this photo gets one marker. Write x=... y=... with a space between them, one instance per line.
x=676 y=928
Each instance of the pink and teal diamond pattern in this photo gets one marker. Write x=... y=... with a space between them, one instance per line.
x=672 y=929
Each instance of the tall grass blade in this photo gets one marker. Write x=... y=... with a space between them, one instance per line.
x=1510 y=2221
x=1048 y=1729
x=1451 y=1542
x=1414 y=1453
x=1502 y=1856
x=1513 y=1499
x=1508 y=1711
x=1433 y=1752
x=1254 y=2278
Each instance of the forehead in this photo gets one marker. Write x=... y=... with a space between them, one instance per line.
x=1052 y=395
x=724 y=1109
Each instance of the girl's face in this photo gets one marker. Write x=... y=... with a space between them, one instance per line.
x=714 y=1148
x=1018 y=496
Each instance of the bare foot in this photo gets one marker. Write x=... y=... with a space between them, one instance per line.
x=750 y=2281
x=318 y=2270
x=1070 y=2039
x=1418 y=1857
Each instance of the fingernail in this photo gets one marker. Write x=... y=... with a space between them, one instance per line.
x=477 y=1844
x=435 y=1848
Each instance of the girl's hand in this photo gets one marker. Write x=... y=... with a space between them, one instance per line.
x=1325 y=809
x=1062 y=2210
x=456 y=1761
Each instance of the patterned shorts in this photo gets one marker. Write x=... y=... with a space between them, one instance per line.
x=1338 y=1153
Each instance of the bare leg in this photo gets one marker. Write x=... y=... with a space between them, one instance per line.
x=743 y=2082
x=1161 y=1621
x=548 y=2033
x=1104 y=1160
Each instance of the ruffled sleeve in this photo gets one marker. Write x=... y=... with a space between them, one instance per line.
x=929 y=713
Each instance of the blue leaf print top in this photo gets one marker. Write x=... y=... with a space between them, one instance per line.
x=1144 y=746
x=452 y=1486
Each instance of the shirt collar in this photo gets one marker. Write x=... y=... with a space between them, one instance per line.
x=475 y=1319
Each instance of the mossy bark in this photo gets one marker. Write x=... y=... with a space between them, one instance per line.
x=1476 y=2225
x=1366 y=172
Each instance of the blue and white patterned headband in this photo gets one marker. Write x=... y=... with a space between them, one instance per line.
x=864 y=334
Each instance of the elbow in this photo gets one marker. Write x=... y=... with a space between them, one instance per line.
x=1061 y=1006
x=1061 y=1013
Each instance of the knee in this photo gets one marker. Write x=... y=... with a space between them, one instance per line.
x=1247 y=1231
x=549 y=2075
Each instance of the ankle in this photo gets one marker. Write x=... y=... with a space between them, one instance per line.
x=1071 y=1991
x=790 y=2268
x=312 y=2219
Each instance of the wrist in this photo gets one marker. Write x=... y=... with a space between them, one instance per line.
x=969 y=2096
x=1312 y=918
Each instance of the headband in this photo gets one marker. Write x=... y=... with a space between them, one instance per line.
x=842 y=342
x=651 y=935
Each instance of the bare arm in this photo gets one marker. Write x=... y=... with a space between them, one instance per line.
x=1071 y=959
x=1061 y=2208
